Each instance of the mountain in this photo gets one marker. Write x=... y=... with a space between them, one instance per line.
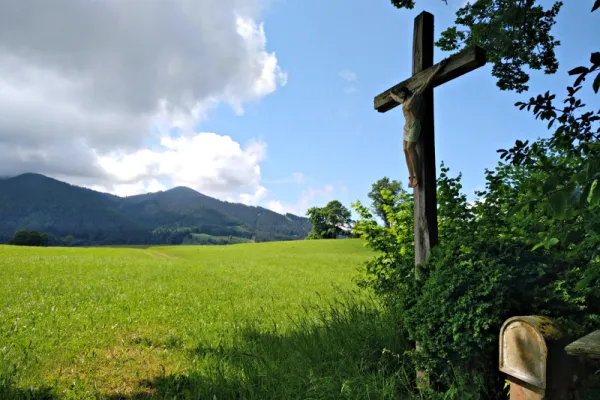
x=74 y=215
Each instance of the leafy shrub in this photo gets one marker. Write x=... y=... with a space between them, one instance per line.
x=483 y=271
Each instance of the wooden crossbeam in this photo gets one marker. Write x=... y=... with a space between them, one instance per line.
x=459 y=64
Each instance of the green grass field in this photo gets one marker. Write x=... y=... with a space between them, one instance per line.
x=269 y=320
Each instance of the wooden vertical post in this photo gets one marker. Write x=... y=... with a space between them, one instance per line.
x=425 y=199
x=425 y=212
x=425 y=225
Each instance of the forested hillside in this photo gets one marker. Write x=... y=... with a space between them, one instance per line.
x=78 y=216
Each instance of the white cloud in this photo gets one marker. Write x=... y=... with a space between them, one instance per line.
x=90 y=92
x=109 y=94
x=308 y=198
x=347 y=75
x=130 y=189
x=252 y=199
x=212 y=164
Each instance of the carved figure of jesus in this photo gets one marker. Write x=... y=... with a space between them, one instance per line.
x=412 y=108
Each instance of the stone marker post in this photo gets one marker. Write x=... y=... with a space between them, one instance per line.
x=533 y=357
x=587 y=347
x=586 y=351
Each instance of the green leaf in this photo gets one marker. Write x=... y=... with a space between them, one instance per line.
x=516 y=208
x=558 y=202
x=594 y=194
x=537 y=246
x=552 y=242
x=550 y=184
x=589 y=276
x=593 y=167
x=583 y=197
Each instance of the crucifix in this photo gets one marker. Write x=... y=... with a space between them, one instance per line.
x=416 y=96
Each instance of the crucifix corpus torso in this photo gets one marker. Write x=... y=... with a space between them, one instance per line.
x=412 y=108
x=416 y=96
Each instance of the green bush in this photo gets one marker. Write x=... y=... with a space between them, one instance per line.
x=484 y=271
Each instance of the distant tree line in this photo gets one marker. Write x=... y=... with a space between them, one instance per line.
x=24 y=237
x=204 y=239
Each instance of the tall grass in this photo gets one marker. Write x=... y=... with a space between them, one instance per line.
x=250 y=321
x=347 y=349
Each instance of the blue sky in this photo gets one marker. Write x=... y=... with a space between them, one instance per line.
x=133 y=97
x=317 y=126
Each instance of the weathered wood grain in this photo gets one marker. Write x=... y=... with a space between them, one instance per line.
x=425 y=221
x=458 y=65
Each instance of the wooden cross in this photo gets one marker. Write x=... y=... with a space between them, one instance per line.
x=426 y=228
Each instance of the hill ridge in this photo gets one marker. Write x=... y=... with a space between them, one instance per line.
x=79 y=215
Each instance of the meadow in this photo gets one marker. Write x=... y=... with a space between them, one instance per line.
x=270 y=321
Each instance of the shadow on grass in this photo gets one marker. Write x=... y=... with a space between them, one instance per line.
x=43 y=393
x=348 y=349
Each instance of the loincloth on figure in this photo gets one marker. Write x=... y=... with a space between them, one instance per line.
x=412 y=131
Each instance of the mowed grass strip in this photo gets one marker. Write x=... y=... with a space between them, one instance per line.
x=187 y=321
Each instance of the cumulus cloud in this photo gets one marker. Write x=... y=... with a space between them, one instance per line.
x=308 y=198
x=130 y=189
x=92 y=92
x=212 y=164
